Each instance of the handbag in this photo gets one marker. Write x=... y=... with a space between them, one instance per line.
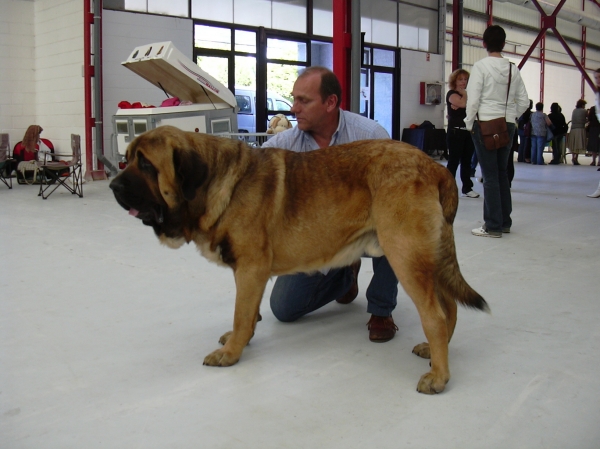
x=495 y=132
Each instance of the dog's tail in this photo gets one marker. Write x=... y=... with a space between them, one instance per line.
x=450 y=282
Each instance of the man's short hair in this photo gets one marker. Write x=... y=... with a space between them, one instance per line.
x=539 y=106
x=580 y=104
x=495 y=38
x=330 y=85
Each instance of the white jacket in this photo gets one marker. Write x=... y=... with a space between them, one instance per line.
x=486 y=91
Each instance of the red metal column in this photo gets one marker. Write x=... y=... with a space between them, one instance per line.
x=457 y=34
x=490 y=12
x=583 y=47
x=342 y=44
x=88 y=73
x=542 y=66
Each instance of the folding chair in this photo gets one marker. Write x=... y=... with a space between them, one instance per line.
x=58 y=173
x=6 y=162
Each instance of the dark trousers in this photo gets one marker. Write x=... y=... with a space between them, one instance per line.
x=557 y=144
x=524 y=151
x=510 y=167
x=461 y=149
x=497 y=201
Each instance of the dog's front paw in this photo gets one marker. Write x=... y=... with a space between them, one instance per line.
x=220 y=358
x=225 y=337
x=422 y=350
x=431 y=384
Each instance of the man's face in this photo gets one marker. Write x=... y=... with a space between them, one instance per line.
x=597 y=78
x=309 y=108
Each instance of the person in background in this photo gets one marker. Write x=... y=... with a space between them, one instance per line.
x=576 y=141
x=487 y=100
x=539 y=128
x=321 y=122
x=524 y=131
x=460 y=144
x=560 y=129
x=510 y=168
x=596 y=194
x=593 y=135
x=597 y=96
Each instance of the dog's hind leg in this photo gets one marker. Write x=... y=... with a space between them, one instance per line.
x=250 y=286
x=411 y=245
x=450 y=310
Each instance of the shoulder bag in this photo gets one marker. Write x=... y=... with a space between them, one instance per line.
x=495 y=132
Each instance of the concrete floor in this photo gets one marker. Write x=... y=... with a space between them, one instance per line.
x=103 y=332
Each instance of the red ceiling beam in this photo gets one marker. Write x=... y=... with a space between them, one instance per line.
x=549 y=22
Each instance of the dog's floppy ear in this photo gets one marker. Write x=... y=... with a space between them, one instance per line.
x=190 y=170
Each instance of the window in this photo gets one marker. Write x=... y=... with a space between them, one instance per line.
x=323 y=17
x=243 y=102
x=417 y=29
x=218 y=11
x=281 y=105
x=215 y=38
x=286 y=50
x=171 y=8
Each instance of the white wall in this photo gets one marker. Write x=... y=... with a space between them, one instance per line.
x=122 y=32
x=17 y=68
x=41 y=59
x=59 y=55
x=416 y=68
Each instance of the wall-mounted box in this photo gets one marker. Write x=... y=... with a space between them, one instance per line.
x=431 y=93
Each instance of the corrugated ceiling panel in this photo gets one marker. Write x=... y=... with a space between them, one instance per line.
x=475 y=5
x=516 y=13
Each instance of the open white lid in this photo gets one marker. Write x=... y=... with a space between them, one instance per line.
x=170 y=70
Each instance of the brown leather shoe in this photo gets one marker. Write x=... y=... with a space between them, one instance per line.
x=353 y=292
x=381 y=328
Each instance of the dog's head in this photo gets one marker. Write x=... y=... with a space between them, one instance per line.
x=165 y=170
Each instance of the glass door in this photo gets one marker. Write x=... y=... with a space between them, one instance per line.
x=378 y=89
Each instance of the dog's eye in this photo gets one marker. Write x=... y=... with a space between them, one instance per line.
x=145 y=165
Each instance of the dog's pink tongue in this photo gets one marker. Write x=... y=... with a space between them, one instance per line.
x=134 y=212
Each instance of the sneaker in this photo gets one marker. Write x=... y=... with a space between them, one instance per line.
x=482 y=232
x=506 y=230
x=471 y=194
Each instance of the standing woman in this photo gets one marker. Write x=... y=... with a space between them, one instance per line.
x=593 y=132
x=560 y=130
x=460 y=144
x=487 y=100
x=576 y=141
x=596 y=194
x=539 y=128
x=524 y=131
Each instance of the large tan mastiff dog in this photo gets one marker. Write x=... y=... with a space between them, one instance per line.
x=266 y=212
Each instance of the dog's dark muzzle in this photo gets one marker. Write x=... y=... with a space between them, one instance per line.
x=133 y=197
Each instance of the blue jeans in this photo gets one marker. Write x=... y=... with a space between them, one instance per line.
x=497 y=201
x=538 y=143
x=295 y=295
